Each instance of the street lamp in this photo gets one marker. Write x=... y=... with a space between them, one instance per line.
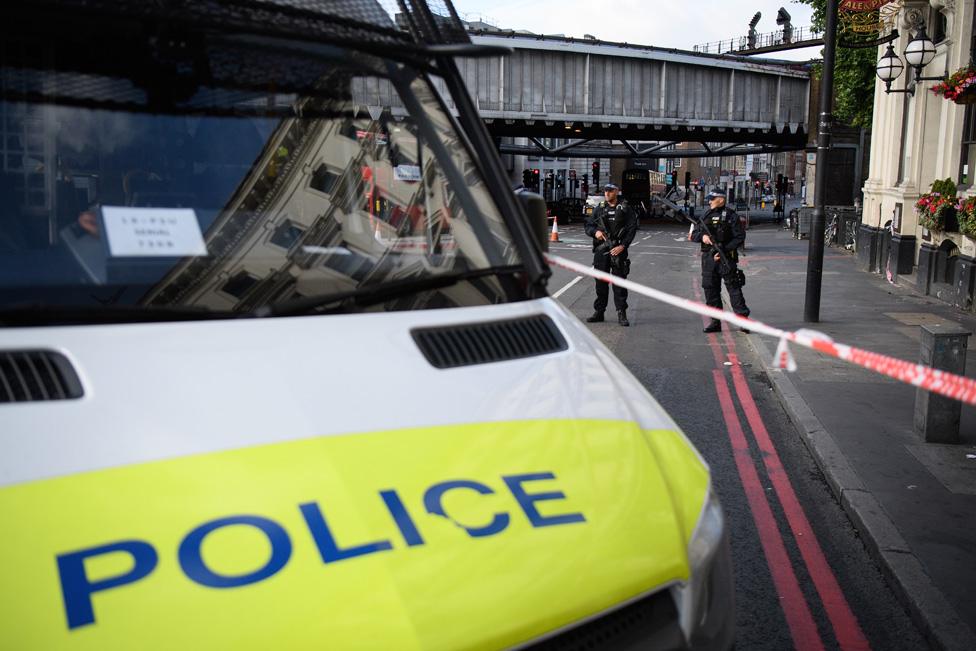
x=920 y=50
x=889 y=68
x=918 y=53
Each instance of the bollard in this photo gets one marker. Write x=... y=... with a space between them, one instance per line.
x=943 y=348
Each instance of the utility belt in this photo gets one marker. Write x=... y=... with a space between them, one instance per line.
x=732 y=255
x=734 y=277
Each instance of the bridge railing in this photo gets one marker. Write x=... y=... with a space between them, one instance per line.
x=769 y=39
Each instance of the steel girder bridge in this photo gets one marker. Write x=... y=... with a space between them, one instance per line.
x=647 y=100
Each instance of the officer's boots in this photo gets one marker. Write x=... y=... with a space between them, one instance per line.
x=596 y=317
x=713 y=326
x=622 y=318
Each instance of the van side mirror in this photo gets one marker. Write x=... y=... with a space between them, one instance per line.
x=535 y=208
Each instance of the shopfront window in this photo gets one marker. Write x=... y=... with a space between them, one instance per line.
x=939 y=26
x=967 y=158
x=967 y=162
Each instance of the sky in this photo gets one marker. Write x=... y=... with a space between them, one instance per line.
x=663 y=23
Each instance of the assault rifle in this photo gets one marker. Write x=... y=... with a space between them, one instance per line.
x=727 y=268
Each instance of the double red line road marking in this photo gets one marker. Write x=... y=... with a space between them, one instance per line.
x=799 y=618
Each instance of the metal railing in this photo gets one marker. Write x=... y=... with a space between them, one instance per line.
x=769 y=39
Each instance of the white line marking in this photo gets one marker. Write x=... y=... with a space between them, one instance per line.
x=671 y=248
x=673 y=255
x=567 y=286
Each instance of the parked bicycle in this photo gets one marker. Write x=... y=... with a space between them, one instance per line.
x=830 y=231
x=832 y=234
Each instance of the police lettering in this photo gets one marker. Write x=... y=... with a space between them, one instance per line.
x=77 y=588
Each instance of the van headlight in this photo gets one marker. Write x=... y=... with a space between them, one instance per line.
x=706 y=601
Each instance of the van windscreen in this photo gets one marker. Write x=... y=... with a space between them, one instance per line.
x=189 y=190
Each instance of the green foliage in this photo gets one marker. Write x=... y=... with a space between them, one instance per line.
x=854 y=74
x=944 y=187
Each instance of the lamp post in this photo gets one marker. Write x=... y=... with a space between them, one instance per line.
x=811 y=306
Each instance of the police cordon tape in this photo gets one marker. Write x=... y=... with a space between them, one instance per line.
x=943 y=383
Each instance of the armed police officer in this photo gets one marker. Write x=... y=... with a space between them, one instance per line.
x=720 y=228
x=612 y=225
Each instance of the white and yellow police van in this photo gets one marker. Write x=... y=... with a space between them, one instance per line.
x=277 y=364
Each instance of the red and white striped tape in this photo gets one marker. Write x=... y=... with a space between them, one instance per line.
x=943 y=383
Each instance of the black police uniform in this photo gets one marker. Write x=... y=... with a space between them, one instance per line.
x=729 y=234
x=621 y=222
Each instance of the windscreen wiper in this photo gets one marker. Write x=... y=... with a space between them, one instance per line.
x=50 y=315
x=372 y=294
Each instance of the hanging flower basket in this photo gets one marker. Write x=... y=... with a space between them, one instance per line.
x=968 y=97
x=933 y=210
x=960 y=86
x=966 y=213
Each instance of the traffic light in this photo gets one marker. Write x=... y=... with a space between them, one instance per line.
x=526 y=178
x=779 y=184
x=596 y=172
x=535 y=180
x=687 y=180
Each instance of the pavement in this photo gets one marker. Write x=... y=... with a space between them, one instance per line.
x=913 y=503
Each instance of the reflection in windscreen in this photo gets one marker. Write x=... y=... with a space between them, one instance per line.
x=349 y=195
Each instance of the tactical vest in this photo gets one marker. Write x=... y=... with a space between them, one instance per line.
x=718 y=224
x=611 y=217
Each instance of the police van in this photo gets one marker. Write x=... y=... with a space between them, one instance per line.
x=278 y=366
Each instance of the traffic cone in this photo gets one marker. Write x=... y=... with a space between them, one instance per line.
x=554 y=235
